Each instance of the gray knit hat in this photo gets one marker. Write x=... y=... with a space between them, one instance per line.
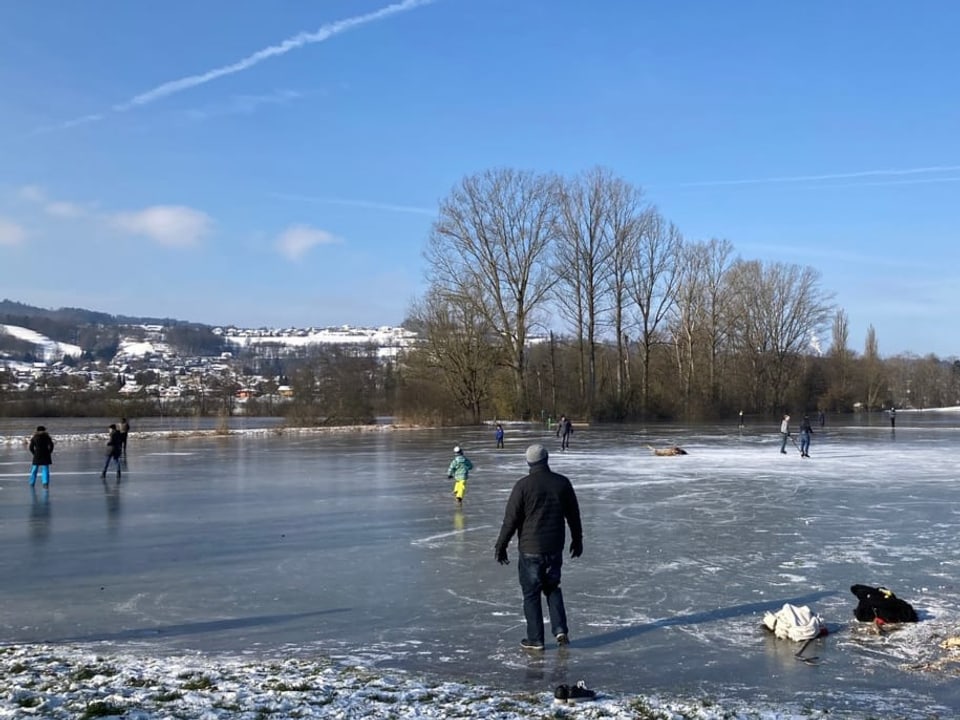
x=536 y=454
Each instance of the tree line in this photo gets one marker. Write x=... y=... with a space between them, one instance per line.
x=575 y=294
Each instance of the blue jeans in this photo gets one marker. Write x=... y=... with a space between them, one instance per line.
x=106 y=465
x=44 y=475
x=541 y=574
x=804 y=443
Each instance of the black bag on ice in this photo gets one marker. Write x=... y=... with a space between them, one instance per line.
x=881 y=605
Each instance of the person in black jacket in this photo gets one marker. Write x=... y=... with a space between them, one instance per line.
x=564 y=431
x=41 y=447
x=114 y=448
x=539 y=504
x=806 y=430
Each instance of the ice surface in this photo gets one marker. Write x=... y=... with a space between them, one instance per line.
x=350 y=547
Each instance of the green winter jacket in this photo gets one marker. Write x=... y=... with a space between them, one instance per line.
x=459 y=468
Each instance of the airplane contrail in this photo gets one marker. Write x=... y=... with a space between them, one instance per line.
x=830 y=176
x=322 y=34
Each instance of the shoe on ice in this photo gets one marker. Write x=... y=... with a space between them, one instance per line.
x=563 y=639
x=574 y=693
x=531 y=644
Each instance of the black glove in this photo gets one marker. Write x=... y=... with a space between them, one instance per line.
x=576 y=548
x=449 y=477
x=500 y=553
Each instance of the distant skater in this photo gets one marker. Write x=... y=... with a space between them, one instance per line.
x=823 y=419
x=124 y=428
x=564 y=431
x=741 y=420
x=499 y=435
x=458 y=471
x=893 y=417
x=114 y=449
x=785 y=432
x=805 y=432
x=41 y=447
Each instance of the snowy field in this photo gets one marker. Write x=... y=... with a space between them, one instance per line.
x=329 y=575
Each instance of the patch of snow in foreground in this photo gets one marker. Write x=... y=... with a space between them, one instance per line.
x=71 y=682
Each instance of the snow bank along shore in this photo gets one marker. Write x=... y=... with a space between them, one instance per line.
x=99 y=436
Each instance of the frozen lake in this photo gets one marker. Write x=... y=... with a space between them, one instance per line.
x=350 y=546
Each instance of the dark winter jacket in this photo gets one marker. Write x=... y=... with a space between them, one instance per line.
x=805 y=426
x=538 y=506
x=41 y=446
x=115 y=443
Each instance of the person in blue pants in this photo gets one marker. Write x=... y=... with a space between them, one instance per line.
x=41 y=447
x=805 y=432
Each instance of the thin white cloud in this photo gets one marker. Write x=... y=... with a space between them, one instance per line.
x=32 y=193
x=36 y=195
x=66 y=125
x=61 y=209
x=83 y=120
x=167 y=225
x=295 y=241
x=909 y=181
x=369 y=204
x=295 y=42
x=11 y=233
x=826 y=177
x=243 y=104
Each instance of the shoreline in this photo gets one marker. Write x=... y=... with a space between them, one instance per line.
x=188 y=434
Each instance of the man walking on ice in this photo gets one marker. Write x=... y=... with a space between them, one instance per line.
x=539 y=505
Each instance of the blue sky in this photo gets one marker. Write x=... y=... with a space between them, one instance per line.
x=265 y=163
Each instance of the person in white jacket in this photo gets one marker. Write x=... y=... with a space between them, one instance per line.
x=785 y=432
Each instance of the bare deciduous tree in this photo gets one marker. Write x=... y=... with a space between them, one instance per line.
x=582 y=260
x=490 y=246
x=459 y=345
x=873 y=374
x=841 y=361
x=690 y=318
x=779 y=309
x=654 y=272
x=629 y=217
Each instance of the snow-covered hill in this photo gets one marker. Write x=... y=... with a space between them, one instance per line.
x=49 y=350
x=388 y=340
